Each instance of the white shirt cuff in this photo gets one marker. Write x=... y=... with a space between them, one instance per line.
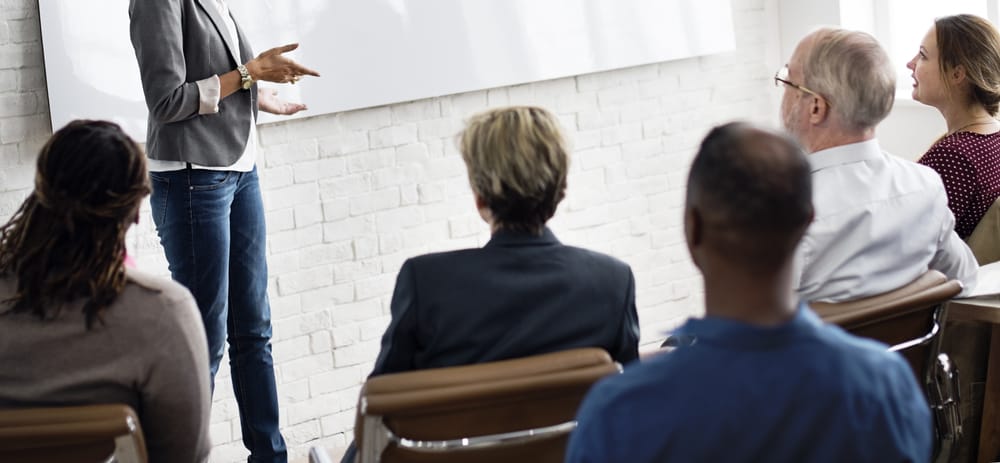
x=208 y=94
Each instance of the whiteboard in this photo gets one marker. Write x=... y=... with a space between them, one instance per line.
x=376 y=52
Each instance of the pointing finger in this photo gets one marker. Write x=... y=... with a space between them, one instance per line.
x=286 y=48
x=302 y=70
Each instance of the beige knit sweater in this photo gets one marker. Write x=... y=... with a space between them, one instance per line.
x=149 y=353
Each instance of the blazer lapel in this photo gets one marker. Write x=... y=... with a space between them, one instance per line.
x=220 y=26
x=245 y=51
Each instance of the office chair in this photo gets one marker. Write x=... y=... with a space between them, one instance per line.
x=909 y=319
x=521 y=409
x=985 y=238
x=74 y=434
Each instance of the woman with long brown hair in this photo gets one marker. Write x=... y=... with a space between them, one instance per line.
x=957 y=71
x=77 y=326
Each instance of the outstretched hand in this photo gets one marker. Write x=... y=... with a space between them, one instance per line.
x=273 y=66
x=268 y=101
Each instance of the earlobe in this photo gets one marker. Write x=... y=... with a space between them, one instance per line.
x=484 y=211
x=694 y=230
x=819 y=110
x=957 y=74
x=692 y=227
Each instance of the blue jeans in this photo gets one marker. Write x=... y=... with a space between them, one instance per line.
x=211 y=226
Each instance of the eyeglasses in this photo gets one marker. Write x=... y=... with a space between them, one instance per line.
x=781 y=77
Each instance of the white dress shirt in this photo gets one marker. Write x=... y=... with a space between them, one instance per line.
x=881 y=222
x=209 y=95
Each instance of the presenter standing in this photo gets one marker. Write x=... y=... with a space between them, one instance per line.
x=199 y=79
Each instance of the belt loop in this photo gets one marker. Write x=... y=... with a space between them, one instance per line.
x=188 y=164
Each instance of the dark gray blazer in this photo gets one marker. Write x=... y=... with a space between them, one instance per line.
x=177 y=43
x=519 y=295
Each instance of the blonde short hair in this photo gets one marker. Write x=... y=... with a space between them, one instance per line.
x=517 y=162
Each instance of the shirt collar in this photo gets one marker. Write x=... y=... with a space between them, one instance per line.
x=867 y=150
x=513 y=238
x=729 y=332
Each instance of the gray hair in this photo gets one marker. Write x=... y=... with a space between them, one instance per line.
x=853 y=72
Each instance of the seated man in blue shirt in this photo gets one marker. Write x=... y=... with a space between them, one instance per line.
x=764 y=379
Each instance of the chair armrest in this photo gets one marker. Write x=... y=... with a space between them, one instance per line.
x=319 y=455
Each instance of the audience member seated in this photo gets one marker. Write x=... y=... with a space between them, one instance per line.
x=765 y=379
x=881 y=221
x=957 y=71
x=524 y=292
x=80 y=328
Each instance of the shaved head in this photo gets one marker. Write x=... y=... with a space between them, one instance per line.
x=751 y=192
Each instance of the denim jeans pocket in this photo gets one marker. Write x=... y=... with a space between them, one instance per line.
x=205 y=180
x=158 y=198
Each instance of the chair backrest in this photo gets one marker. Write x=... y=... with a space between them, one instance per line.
x=88 y=433
x=490 y=412
x=907 y=319
x=985 y=239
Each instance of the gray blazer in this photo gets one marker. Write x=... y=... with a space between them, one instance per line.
x=177 y=43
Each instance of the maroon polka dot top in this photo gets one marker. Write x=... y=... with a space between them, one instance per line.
x=969 y=165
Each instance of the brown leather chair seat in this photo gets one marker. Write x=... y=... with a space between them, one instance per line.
x=76 y=434
x=512 y=410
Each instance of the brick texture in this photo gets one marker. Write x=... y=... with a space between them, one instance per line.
x=350 y=196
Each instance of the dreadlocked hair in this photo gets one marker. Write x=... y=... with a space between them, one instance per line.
x=66 y=242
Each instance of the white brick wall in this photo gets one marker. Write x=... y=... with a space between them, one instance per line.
x=350 y=196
